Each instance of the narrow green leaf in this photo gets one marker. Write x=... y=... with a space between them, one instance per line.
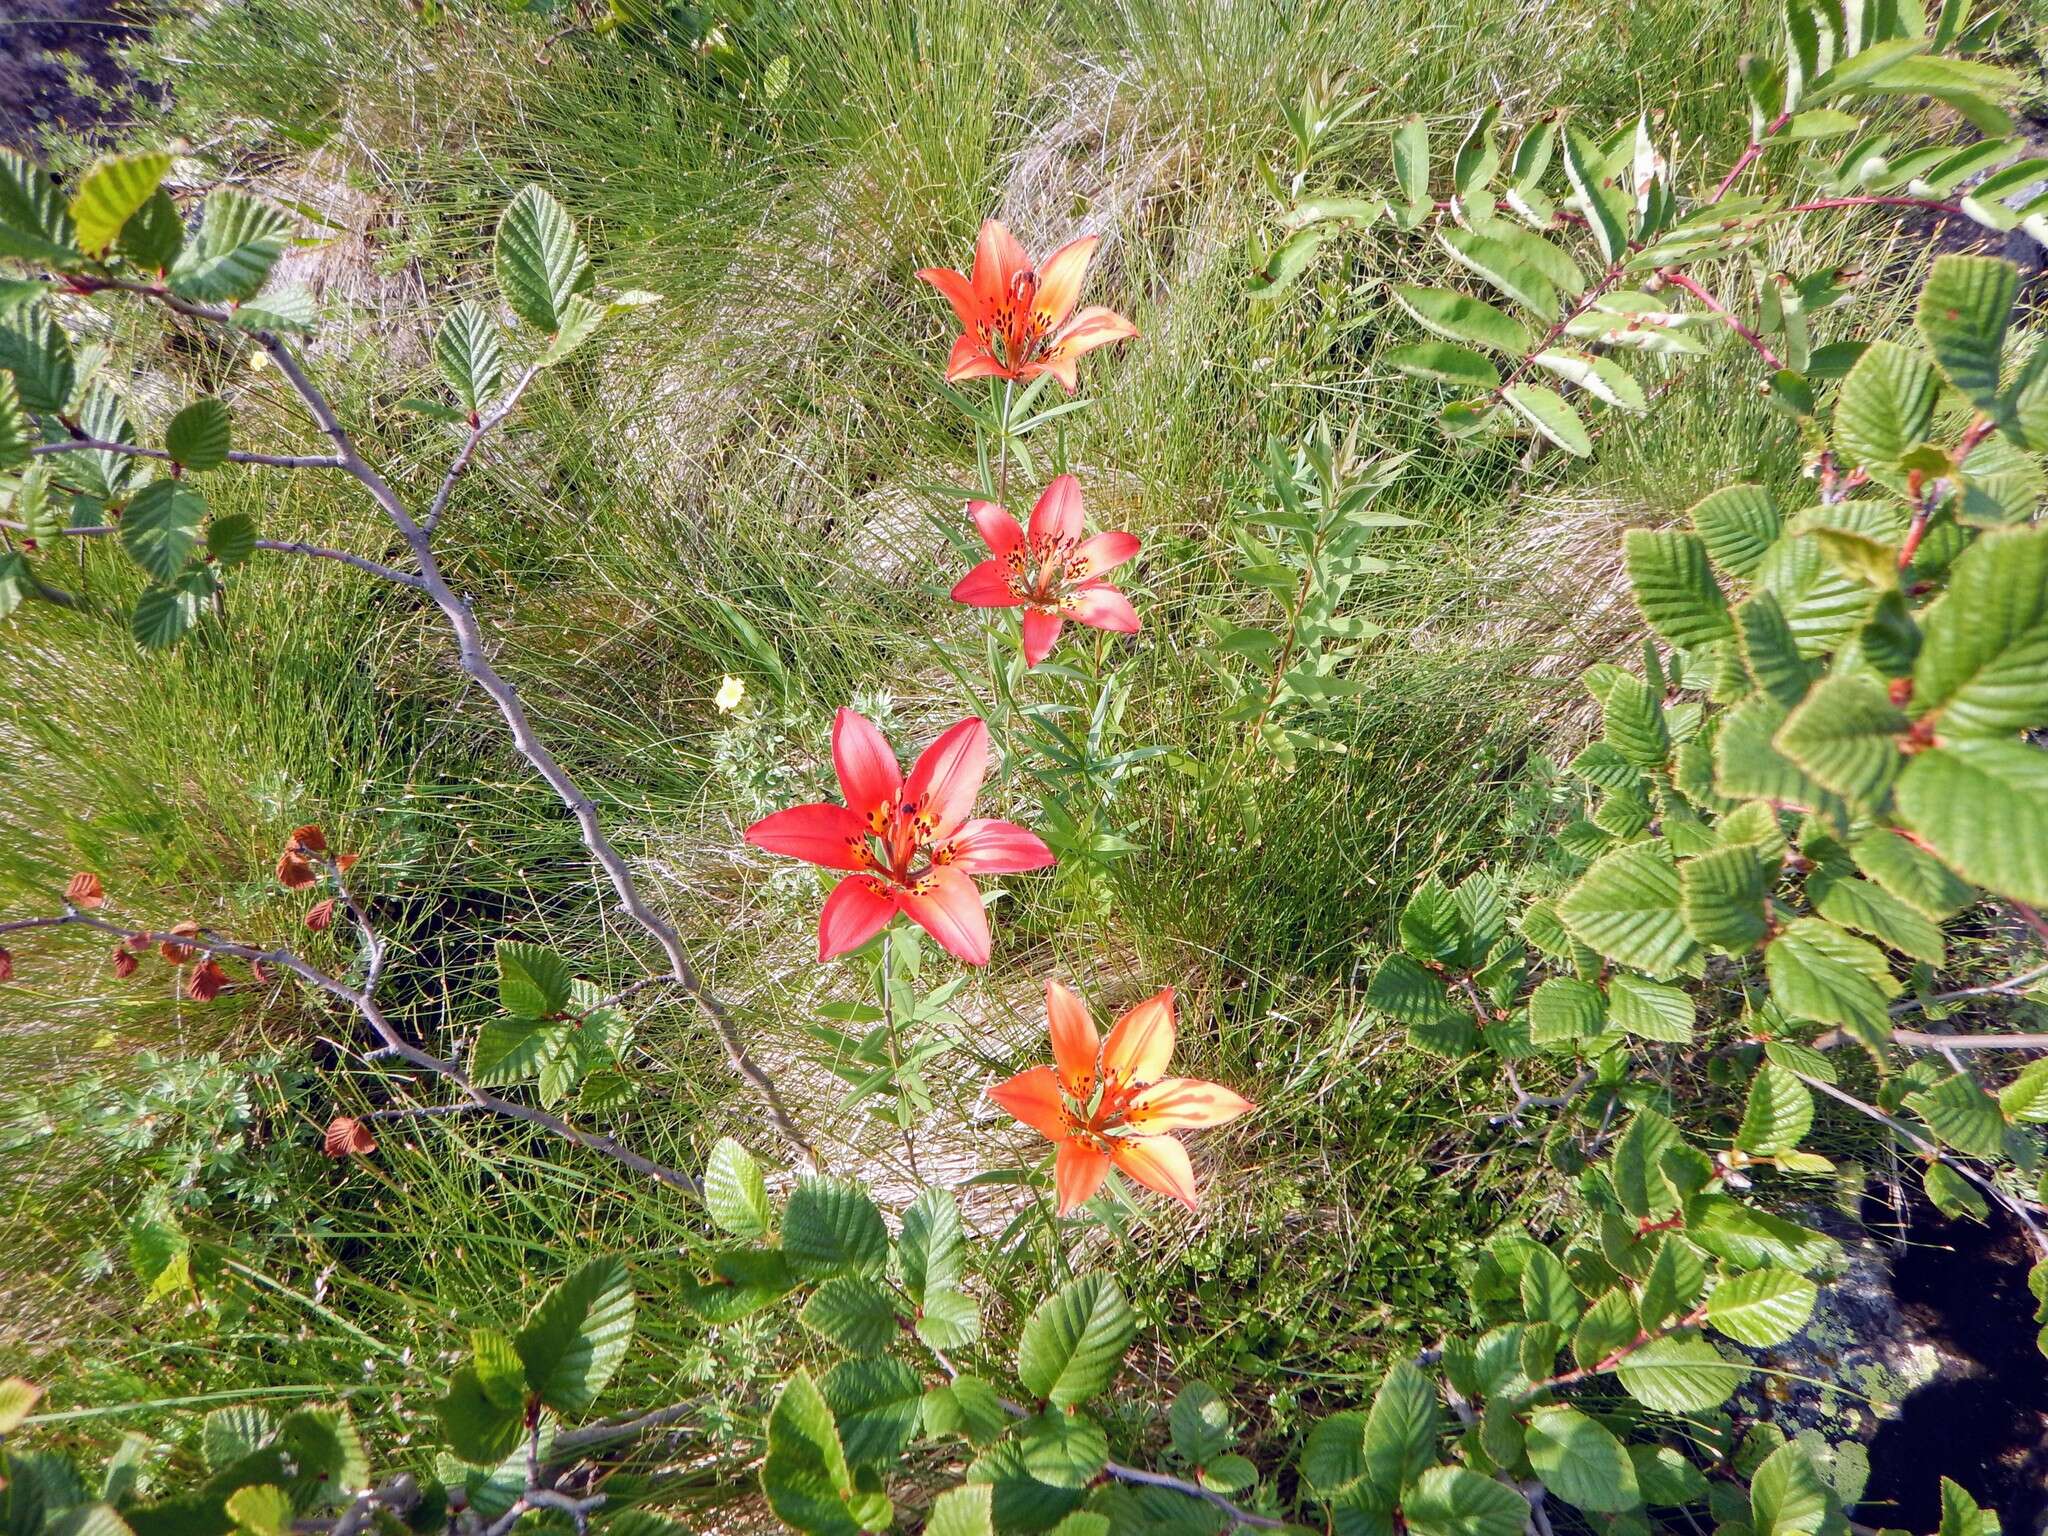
x=1459 y=317
x=1444 y=362
x=1546 y=411
x=1604 y=206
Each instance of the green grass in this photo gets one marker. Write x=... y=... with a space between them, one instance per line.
x=769 y=444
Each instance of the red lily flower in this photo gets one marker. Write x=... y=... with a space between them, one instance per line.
x=1050 y=571
x=1110 y=1104
x=888 y=826
x=1016 y=323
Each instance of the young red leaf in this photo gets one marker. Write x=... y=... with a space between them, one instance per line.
x=83 y=890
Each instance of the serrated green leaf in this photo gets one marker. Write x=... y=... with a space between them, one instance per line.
x=1722 y=895
x=1674 y=587
x=852 y=1312
x=1074 y=1342
x=231 y=539
x=1497 y=263
x=1627 y=907
x=1870 y=909
x=154 y=233
x=932 y=1249
x=1964 y=309
x=966 y=1511
x=541 y=264
x=948 y=1320
x=160 y=529
x=1847 y=735
x=1778 y=1115
x=1199 y=1422
x=34 y=348
x=1444 y=362
x=1762 y=1308
x=1748 y=767
x=1401 y=1428
x=163 y=614
x=34 y=223
x=1787 y=1494
x=113 y=188
x=1680 y=1373
x=533 y=981
x=1604 y=206
x=875 y=1404
x=240 y=240
x=1649 y=1011
x=1822 y=604
x=2024 y=1100
x=1563 y=1010
x=1062 y=1450
x=1983 y=662
x=1456 y=1501
x=1737 y=523
x=805 y=1474
x=1962 y=1115
x=735 y=1193
x=1675 y=1279
x=1961 y=1515
x=1818 y=972
x=1770 y=651
x=1581 y=1462
x=480 y=1430
x=575 y=1339
x=1548 y=1295
x=1546 y=411
x=470 y=352
x=226 y=1435
x=200 y=435
x=967 y=1407
x=831 y=1227
x=579 y=320
x=1886 y=405
x=1982 y=806
x=1952 y=1194
x=1459 y=317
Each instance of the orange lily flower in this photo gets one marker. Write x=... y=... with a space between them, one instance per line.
x=1017 y=322
x=1050 y=571
x=1109 y=1103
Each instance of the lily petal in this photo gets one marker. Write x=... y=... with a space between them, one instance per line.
x=1105 y=608
x=1141 y=1044
x=830 y=836
x=1075 y=1045
x=1096 y=326
x=998 y=262
x=1059 y=280
x=947 y=777
x=1184 y=1104
x=1157 y=1162
x=1077 y=1173
x=858 y=909
x=1041 y=634
x=999 y=530
x=868 y=774
x=971 y=359
x=1105 y=552
x=950 y=911
x=958 y=290
x=987 y=585
x=987 y=847
x=1058 y=513
x=1034 y=1098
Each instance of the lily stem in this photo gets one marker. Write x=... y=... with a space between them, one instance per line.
x=895 y=1057
x=1003 y=447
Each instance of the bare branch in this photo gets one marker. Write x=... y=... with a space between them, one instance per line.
x=473 y=661
x=278 y=546
x=82 y=444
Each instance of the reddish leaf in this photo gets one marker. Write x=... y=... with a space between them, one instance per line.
x=293 y=872
x=175 y=952
x=347 y=1138
x=125 y=963
x=206 y=981
x=83 y=890
x=261 y=972
x=321 y=915
x=6 y=966
x=307 y=840
x=346 y=861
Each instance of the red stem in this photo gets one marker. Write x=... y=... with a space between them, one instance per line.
x=1748 y=156
x=1679 y=280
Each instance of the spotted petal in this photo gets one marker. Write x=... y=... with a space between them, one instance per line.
x=998 y=262
x=830 y=836
x=1058 y=513
x=868 y=775
x=859 y=907
x=1075 y=1045
x=947 y=777
x=1034 y=1098
x=988 y=847
x=998 y=529
x=1059 y=281
x=1105 y=552
x=950 y=911
x=1141 y=1044
x=986 y=586
x=1157 y=1162
x=1184 y=1104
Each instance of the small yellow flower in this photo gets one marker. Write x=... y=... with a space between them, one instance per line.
x=731 y=693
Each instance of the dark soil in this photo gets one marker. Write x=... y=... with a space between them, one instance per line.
x=1963 y=1284
x=42 y=44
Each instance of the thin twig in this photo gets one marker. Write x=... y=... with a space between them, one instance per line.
x=1743 y=161
x=478 y=429
x=394 y=1044
x=278 y=546
x=1679 y=280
